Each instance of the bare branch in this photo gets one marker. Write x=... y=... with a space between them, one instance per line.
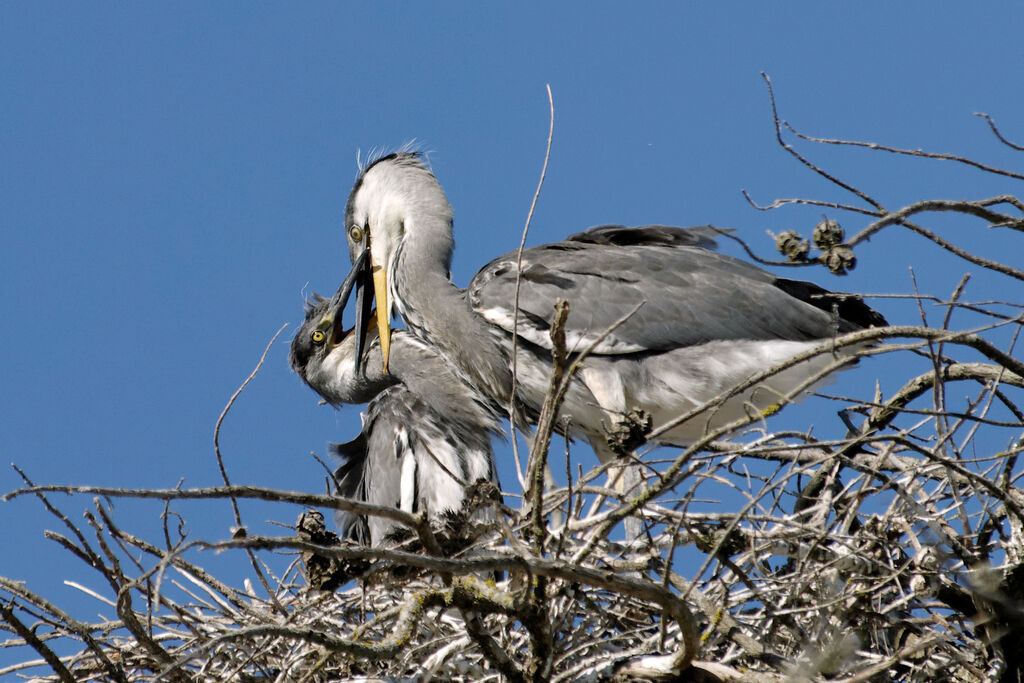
x=884 y=544
x=995 y=131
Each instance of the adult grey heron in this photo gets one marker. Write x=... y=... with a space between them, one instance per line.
x=425 y=436
x=708 y=321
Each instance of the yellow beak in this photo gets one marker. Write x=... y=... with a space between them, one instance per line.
x=380 y=293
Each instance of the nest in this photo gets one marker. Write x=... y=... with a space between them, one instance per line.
x=893 y=551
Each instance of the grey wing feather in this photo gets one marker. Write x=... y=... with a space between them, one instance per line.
x=350 y=483
x=690 y=295
x=431 y=422
x=434 y=382
x=371 y=470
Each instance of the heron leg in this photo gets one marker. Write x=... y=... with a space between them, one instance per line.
x=627 y=431
x=557 y=516
x=624 y=477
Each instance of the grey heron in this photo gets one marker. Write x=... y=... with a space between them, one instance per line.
x=708 y=321
x=425 y=436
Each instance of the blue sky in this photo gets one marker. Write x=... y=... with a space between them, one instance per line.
x=174 y=177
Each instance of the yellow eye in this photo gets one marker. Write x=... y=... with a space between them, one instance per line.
x=318 y=337
x=355 y=233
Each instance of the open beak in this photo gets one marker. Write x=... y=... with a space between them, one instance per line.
x=364 y=270
x=335 y=310
x=364 y=302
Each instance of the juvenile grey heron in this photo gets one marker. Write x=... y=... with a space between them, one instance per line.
x=425 y=435
x=708 y=321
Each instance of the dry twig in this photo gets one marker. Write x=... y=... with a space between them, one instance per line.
x=886 y=549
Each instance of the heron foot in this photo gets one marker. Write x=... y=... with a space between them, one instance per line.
x=481 y=494
x=324 y=572
x=629 y=431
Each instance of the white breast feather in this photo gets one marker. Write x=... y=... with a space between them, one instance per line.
x=408 y=485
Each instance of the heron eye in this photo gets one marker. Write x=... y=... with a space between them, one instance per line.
x=356 y=233
x=318 y=337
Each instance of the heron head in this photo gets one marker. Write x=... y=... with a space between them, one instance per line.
x=322 y=332
x=316 y=338
x=326 y=355
x=394 y=197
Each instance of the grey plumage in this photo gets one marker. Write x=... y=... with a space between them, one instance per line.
x=690 y=295
x=708 y=321
x=425 y=436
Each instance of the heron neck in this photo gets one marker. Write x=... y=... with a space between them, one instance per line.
x=424 y=371
x=420 y=274
x=435 y=310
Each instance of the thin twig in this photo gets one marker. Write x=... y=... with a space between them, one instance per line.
x=223 y=471
x=512 y=412
x=995 y=131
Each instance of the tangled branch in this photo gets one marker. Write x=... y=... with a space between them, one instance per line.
x=886 y=544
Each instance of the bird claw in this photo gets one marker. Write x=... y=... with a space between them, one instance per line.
x=324 y=572
x=629 y=431
x=481 y=494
